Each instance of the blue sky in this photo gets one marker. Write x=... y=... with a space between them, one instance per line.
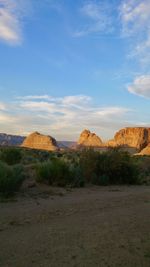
x=68 y=65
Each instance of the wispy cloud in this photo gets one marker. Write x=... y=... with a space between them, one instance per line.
x=35 y=97
x=135 y=17
x=97 y=19
x=140 y=86
x=62 y=117
x=11 y=14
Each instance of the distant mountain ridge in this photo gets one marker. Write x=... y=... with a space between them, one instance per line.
x=11 y=140
x=66 y=144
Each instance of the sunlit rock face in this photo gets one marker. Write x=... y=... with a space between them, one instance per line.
x=145 y=151
x=89 y=139
x=138 y=137
x=39 y=141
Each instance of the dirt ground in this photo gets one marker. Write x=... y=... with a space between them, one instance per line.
x=98 y=226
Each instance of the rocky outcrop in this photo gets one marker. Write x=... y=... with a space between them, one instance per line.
x=39 y=141
x=145 y=151
x=137 y=137
x=89 y=139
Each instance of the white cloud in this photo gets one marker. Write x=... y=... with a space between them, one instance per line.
x=97 y=17
x=75 y=100
x=11 y=13
x=135 y=17
x=62 y=117
x=141 y=86
x=35 y=97
x=40 y=106
x=110 y=111
x=66 y=100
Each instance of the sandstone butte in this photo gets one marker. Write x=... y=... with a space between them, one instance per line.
x=137 y=137
x=39 y=141
x=89 y=139
x=131 y=137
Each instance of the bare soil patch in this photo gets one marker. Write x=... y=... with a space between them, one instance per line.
x=97 y=226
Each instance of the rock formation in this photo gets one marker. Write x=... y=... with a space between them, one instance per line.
x=137 y=137
x=89 y=139
x=145 y=151
x=39 y=141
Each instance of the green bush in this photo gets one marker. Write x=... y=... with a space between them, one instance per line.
x=30 y=156
x=59 y=173
x=54 y=172
x=111 y=167
x=119 y=166
x=44 y=172
x=11 y=178
x=101 y=180
x=122 y=168
x=11 y=155
x=143 y=163
x=77 y=177
x=88 y=161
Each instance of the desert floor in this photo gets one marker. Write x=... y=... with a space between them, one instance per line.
x=97 y=226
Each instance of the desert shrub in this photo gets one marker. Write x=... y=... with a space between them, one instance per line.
x=143 y=163
x=54 y=172
x=120 y=167
x=88 y=162
x=101 y=180
x=11 y=178
x=111 y=167
x=30 y=156
x=11 y=155
x=77 y=179
x=59 y=173
x=44 y=172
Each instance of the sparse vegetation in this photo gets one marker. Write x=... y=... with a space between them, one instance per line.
x=57 y=172
x=11 y=155
x=11 y=178
x=111 y=167
x=71 y=168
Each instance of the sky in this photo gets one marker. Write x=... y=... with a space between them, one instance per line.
x=71 y=65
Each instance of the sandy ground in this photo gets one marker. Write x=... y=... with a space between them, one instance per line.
x=107 y=226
